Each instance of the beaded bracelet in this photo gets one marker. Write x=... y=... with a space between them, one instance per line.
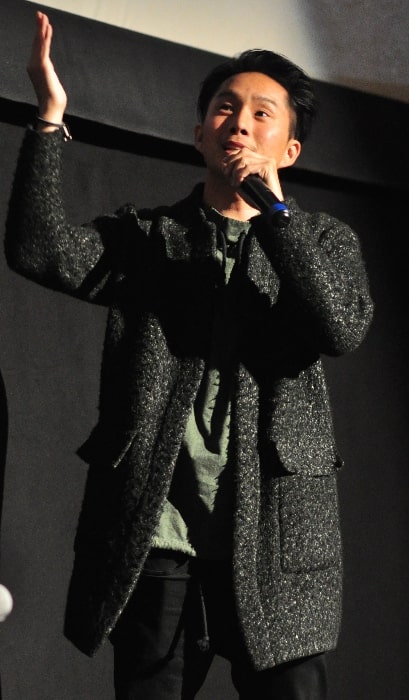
x=63 y=127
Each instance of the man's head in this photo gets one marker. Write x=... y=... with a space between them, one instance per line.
x=302 y=101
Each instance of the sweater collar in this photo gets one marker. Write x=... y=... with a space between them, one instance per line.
x=191 y=227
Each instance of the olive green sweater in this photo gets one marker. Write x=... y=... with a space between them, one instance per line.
x=197 y=517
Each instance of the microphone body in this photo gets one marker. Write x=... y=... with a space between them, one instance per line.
x=256 y=192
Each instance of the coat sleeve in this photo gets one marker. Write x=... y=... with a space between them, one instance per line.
x=41 y=245
x=319 y=262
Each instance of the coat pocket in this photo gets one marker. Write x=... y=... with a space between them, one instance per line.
x=309 y=523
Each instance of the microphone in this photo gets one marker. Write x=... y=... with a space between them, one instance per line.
x=256 y=192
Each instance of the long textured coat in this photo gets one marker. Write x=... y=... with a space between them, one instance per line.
x=301 y=292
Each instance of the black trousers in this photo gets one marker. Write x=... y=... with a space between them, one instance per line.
x=182 y=614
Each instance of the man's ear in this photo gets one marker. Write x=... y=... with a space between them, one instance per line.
x=198 y=137
x=291 y=154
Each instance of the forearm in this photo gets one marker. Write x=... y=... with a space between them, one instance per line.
x=319 y=261
x=40 y=244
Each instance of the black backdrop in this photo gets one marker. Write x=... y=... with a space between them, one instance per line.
x=131 y=111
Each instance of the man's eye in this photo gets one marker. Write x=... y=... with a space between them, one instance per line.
x=225 y=107
x=261 y=113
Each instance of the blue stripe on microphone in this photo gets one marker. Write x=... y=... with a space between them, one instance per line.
x=278 y=206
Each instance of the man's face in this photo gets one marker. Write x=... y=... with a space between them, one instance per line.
x=249 y=110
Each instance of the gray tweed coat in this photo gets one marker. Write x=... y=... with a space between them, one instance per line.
x=301 y=292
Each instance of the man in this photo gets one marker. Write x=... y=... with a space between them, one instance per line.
x=209 y=523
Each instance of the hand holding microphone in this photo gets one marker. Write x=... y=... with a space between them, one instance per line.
x=254 y=189
x=256 y=192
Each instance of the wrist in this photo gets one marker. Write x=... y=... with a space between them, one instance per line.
x=56 y=116
x=51 y=110
x=46 y=125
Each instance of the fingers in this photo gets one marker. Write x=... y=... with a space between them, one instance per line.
x=244 y=162
x=40 y=51
x=236 y=168
x=51 y=96
x=47 y=32
x=238 y=165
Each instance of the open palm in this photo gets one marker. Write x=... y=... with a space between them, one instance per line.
x=51 y=96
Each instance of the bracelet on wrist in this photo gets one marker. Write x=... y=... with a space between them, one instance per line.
x=62 y=126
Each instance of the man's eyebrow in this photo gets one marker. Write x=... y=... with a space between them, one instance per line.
x=226 y=93
x=255 y=98
x=265 y=98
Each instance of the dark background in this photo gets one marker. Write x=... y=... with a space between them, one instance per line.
x=132 y=111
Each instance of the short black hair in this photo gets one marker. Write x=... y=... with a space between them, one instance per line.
x=301 y=94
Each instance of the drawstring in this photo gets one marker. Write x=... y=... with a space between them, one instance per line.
x=240 y=244
x=204 y=642
x=225 y=246
x=222 y=245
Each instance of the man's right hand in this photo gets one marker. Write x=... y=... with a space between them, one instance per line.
x=51 y=96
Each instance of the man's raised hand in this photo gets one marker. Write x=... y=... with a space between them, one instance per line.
x=51 y=96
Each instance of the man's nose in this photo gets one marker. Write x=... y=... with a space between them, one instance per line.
x=239 y=122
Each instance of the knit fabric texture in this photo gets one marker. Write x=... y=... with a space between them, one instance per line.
x=301 y=292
